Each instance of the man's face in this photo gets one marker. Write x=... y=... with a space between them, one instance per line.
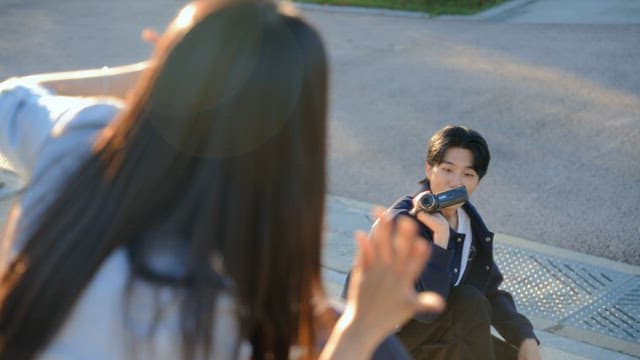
x=455 y=170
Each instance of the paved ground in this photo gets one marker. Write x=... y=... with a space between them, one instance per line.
x=566 y=12
x=559 y=105
x=553 y=85
x=41 y=36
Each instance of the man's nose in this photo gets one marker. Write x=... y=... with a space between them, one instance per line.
x=455 y=181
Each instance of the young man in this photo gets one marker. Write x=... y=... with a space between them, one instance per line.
x=461 y=267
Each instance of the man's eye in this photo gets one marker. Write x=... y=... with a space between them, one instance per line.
x=470 y=175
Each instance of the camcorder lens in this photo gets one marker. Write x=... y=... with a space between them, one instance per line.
x=428 y=202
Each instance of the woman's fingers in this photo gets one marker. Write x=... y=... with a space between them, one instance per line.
x=378 y=212
x=364 y=252
x=429 y=301
x=382 y=280
x=150 y=35
x=381 y=236
x=399 y=248
x=417 y=259
x=406 y=231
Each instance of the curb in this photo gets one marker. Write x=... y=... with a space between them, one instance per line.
x=567 y=254
x=363 y=10
x=508 y=6
x=496 y=11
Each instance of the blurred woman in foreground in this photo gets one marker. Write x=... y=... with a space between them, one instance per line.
x=185 y=221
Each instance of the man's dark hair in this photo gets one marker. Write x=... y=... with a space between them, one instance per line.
x=462 y=137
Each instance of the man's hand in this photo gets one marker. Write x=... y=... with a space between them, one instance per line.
x=529 y=350
x=437 y=223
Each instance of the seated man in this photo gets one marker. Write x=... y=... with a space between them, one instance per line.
x=461 y=267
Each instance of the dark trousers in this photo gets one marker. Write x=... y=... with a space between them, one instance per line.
x=461 y=332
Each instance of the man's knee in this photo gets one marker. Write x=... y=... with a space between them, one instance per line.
x=466 y=301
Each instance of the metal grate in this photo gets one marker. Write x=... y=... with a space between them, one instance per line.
x=552 y=288
x=616 y=314
x=572 y=293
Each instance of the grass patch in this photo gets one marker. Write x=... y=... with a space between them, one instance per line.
x=434 y=7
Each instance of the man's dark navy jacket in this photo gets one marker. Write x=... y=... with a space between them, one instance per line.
x=441 y=272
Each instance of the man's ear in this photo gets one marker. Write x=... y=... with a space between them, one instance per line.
x=428 y=169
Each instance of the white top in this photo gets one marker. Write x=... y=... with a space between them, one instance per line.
x=45 y=137
x=464 y=227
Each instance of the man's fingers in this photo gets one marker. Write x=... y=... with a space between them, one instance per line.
x=424 y=218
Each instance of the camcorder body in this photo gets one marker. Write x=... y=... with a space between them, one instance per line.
x=432 y=203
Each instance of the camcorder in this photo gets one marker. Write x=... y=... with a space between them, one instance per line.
x=432 y=203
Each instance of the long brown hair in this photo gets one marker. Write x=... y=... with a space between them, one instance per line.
x=219 y=157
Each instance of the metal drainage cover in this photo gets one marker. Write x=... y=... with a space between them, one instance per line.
x=616 y=314
x=572 y=293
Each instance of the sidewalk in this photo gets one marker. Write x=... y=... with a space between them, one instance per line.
x=592 y=12
x=582 y=307
x=565 y=12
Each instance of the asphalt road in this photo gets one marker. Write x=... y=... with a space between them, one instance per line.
x=559 y=105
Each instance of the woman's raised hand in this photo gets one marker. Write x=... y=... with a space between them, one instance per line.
x=381 y=293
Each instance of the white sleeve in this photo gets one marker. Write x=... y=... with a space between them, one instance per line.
x=28 y=115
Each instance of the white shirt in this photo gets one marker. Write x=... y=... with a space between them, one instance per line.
x=464 y=227
x=45 y=137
